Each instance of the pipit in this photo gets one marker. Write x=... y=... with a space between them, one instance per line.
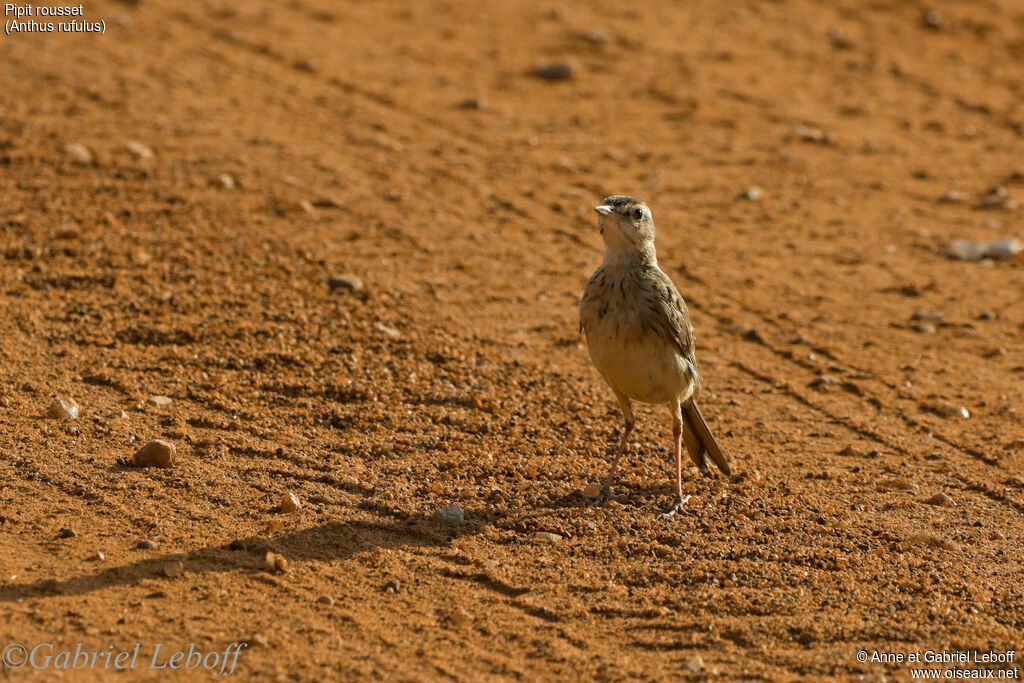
x=641 y=341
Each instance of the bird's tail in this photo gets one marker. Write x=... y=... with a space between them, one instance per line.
x=700 y=443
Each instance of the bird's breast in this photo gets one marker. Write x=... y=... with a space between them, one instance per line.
x=628 y=345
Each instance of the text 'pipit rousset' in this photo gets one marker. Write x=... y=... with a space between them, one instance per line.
x=21 y=18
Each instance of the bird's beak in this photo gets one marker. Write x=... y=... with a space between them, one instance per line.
x=604 y=210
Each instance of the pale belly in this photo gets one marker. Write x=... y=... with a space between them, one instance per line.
x=644 y=368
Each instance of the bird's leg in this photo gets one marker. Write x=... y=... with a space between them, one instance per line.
x=606 y=491
x=677 y=437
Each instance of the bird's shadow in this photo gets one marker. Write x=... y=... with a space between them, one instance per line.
x=329 y=542
x=633 y=494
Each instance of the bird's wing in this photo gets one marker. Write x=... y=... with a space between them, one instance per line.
x=674 y=320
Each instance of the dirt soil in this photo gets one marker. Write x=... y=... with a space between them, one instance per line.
x=175 y=195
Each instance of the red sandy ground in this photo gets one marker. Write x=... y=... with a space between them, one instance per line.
x=457 y=375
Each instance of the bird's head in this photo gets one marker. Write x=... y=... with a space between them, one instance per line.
x=626 y=224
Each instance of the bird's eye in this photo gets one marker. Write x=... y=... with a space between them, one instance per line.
x=638 y=214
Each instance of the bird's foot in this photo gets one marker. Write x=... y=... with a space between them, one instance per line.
x=677 y=505
x=605 y=496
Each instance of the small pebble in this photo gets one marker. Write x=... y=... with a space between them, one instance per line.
x=896 y=485
x=460 y=618
x=325 y=600
x=139 y=149
x=941 y=499
x=695 y=664
x=393 y=586
x=160 y=400
x=275 y=562
x=946 y=409
x=931 y=540
x=838 y=39
x=547 y=536
x=274 y=526
x=592 y=490
x=63 y=408
x=932 y=19
x=964 y=250
x=1005 y=248
x=1016 y=445
x=290 y=502
x=156 y=453
x=347 y=283
x=326 y=203
x=927 y=316
x=824 y=383
x=558 y=71
x=953 y=197
x=747 y=333
x=147 y=544
x=998 y=198
x=477 y=103
x=79 y=152
x=67 y=532
x=996 y=536
x=598 y=35
x=389 y=332
x=452 y=514
x=259 y=640
x=753 y=193
x=565 y=165
x=173 y=569
x=98 y=557
x=811 y=134
x=227 y=181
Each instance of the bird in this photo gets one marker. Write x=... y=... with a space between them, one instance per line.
x=640 y=339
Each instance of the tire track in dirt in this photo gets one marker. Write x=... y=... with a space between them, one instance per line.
x=894 y=392
x=384 y=101
x=757 y=340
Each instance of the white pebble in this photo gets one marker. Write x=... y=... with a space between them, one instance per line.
x=453 y=514
x=63 y=409
x=139 y=149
